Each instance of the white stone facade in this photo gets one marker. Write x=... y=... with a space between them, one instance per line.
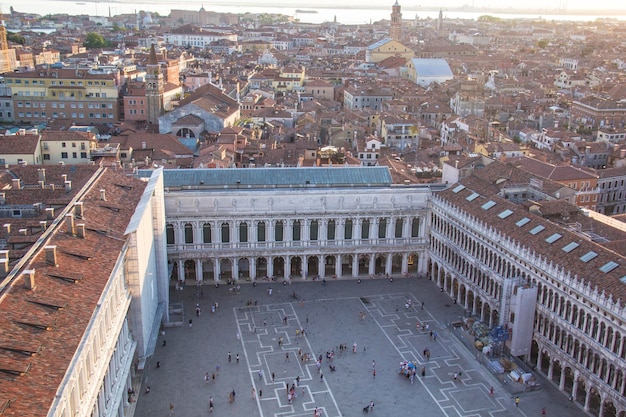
x=304 y=232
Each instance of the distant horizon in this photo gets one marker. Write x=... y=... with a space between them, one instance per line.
x=348 y=12
x=562 y=6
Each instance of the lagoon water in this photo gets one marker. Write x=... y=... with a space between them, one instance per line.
x=325 y=10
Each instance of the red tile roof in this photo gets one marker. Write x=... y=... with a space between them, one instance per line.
x=52 y=319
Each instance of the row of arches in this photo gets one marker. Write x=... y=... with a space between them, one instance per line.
x=228 y=231
x=336 y=266
x=587 y=393
x=569 y=330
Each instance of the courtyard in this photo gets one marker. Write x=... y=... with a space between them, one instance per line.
x=262 y=333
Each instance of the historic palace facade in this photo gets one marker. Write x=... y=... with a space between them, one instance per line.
x=548 y=273
x=257 y=224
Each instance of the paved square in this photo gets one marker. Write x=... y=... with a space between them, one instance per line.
x=266 y=332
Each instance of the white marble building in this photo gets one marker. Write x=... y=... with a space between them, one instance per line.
x=294 y=222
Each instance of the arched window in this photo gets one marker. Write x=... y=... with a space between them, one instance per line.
x=365 y=229
x=297 y=230
x=243 y=232
x=260 y=231
x=169 y=234
x=348 y=230
x=382 y=228
x=399 y=225
x=415 y=227
x=206 y=233
x=188 y=233
x=279 y=232
x=331 y=230
x=225 y=233
x=314 y=230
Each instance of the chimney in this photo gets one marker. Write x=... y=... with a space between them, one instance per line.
x=4 y=263
x=23 y=232
x=7 y=228
x=43 y=224
x=41 y=184
x=29 y=279
x=143 y=145
x=3 y=199
x=103 y=194
x=80 y=230
x=51 y=255
x=68 y=186
x=70 y=224
x=50 y=213
x=78 y=209
x=64 y=177
x=16 y=183
x=42 y=174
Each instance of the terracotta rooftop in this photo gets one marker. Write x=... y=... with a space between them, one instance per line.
x=41 y=328
x=536 y=234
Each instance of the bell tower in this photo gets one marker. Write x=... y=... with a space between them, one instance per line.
x=154 y=88
x=395 y=31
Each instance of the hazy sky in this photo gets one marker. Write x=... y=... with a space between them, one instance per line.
x=542 y=4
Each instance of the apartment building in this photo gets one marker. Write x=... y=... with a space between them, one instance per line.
x=81 y=95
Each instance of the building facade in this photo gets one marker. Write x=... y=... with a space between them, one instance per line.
x=294 y=222
x=81 y=95
x=490 y=254
x=86 y=299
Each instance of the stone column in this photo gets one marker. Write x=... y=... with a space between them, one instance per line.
x=406 y=227
x=550 y=369
x=405 y=263
x=356 y=231
x=270 y=266
x=587 y=399
x=388 y=259
x=340 y=231
x=254 y=234
x=199 y=277
x=305 y=233
x=252 y=267
x=180 y=232
x=235 y=262
x=372 y=265
x=322 y=234
x=321 y=266
x=390 y=232
x=217 y=269
x=338 y=266
x=270 y=231
x=355 y=265
x=575 y=385
x=198 y=236
x=288 y=233
x=181 y=270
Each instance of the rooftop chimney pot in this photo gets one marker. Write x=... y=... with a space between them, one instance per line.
x=51 y=255
x=70 y=224
x=29 y=279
